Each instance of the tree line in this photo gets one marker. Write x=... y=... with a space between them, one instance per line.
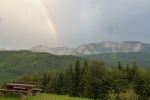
x=96 y=81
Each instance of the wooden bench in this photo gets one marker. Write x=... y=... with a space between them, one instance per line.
x=37 y=89
x=23 y=94
x=38 y=84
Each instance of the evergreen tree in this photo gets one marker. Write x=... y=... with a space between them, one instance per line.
x=45 y=79
x=83 y=77
x=25 y=77
x=76 y=78
x=87 y=80
x=120 y=66
x=35 y=77
x=60 y=83
x=68 y=81
x=51 y=87
x=128 y=71
x=134 y=73
x=127 y=68
x=97 y=70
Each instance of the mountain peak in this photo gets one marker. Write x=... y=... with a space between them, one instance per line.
x=55 y=50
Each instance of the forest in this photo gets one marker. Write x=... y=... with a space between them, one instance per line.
x=16 y=63
x=96 y=81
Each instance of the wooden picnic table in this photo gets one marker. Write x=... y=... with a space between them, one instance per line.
x=23 y=87
x=25 y=90
x=36 y=90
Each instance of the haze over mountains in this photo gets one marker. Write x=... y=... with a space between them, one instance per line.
x=96 y=48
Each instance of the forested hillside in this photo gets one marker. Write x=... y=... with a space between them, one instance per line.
x=142 y=59
x=16 y=63
x=96 y=81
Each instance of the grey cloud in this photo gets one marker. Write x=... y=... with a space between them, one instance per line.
x=76 y=22
x=0 y=19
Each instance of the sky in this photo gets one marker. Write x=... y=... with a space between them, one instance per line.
x=71 y=23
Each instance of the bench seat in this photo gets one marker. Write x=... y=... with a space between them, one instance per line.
x=20 y=88
x=38 y=86
x=36 y=91
x=23 y=94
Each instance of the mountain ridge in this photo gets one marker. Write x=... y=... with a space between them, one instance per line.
x=96 y=48
x=93 y=48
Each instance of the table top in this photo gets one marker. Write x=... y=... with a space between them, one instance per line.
x=20 y=85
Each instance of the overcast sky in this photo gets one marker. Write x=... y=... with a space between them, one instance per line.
x=24 y=23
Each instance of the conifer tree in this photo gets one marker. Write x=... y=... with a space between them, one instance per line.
x=25 y=77
x=83 y=76
x=51 y=87
x=35 y=77
x=76 y=78
x=60 y=83
x=45 y=79
x=87 y=80
x=134 y=72
x=70 y=83
x=120 y=66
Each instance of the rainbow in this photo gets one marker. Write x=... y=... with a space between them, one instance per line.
x=50 y=23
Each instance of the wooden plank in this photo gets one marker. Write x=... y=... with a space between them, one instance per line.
x=18 y=91
x=38 y=84
x=36 y=89
x=20 y=85
x=19 y=88
x=23 y=94
x=29 y=82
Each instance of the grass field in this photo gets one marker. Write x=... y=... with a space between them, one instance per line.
x=43 y=96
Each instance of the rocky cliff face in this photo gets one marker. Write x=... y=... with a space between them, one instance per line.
x=57 y=50
x=96 y=48
x=110 y=47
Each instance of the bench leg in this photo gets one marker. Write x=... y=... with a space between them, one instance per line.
x=37 y=93
x=24 y=95
x=30 y=94
x=3 y=94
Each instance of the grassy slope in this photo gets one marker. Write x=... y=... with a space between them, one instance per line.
x=41 y=97
x=142 y=59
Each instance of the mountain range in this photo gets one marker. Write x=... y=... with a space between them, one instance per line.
x=16 y=62
x=96 y=48
x=93 y=48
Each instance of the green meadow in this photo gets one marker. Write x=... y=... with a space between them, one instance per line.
x=42 y=96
